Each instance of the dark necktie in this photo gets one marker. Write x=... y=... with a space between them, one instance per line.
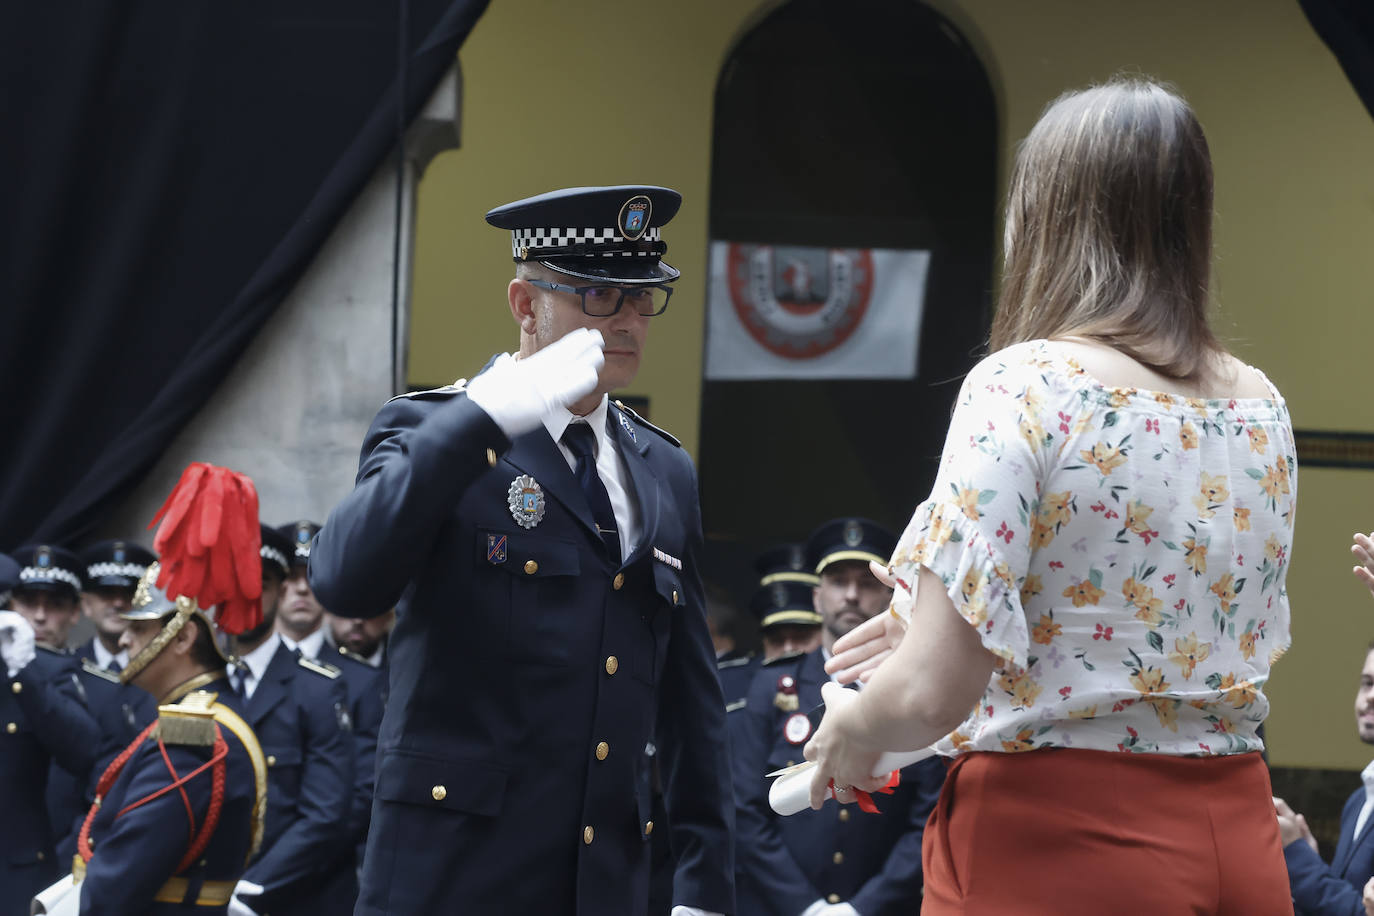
x=578 y=437
x=114 y=666
x=239 y=680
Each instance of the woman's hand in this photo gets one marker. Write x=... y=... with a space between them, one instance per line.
x=1363 y=549
x=843 y=752
x=859 y=652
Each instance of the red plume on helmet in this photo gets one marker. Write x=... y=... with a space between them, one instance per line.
x=209 y=542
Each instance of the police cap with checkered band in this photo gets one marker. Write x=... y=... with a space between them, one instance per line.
x=116 y=564
x=46 y=567
x=300 y=534
x=608 y=234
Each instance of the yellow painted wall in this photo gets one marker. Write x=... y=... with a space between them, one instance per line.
x=560 y=93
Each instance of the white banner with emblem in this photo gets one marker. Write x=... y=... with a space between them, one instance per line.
x=794 y=312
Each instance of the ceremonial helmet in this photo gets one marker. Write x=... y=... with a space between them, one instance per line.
x=210 y=544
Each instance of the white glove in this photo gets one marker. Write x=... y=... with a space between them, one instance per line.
x=243 y=889
x=821 y=908
x=16 y=641
x=681 y=910
x=519 y=393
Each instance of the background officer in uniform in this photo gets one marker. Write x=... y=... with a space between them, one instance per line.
x=300 y=617
x=838 y=861
x=299 y=709
x=112 y=570
x=42 y=720
x=550 y=539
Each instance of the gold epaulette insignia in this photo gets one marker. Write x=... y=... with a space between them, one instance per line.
x=328 y=670
x=91 y=667
x=349 y=653
x=190 y=722
x=430 y=394
x=738 y=704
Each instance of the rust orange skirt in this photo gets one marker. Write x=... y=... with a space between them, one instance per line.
x=1070 y=832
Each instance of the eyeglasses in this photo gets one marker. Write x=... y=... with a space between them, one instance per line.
x=605 y=301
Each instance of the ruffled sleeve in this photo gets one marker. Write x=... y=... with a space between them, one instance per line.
x=978 y=528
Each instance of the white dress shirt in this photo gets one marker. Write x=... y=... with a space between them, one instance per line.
x=1367 y=775
x=104 y=656
x=310 y=647
x=609 y=464
x=255 y=664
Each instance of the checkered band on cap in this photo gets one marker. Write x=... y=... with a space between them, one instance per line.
x=126 y=570
x=267 y=552
x=537 y=239
x=49 y=574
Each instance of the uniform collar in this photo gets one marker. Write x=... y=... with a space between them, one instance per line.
x=185 y=687
x=103 y=656
x=258 y=659
x=556 y=421
x=310 y=647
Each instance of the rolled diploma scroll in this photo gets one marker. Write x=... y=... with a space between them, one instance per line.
x=791 y=791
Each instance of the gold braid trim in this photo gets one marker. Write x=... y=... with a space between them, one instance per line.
x=241 y=729
x=185 y=608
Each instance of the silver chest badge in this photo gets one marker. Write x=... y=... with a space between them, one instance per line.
x=526 y=501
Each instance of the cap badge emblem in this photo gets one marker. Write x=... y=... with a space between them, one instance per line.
x=853 y=534
x=634 y=217
x=43 y=559
x=796 y=560
x=526 y=501
x=119 y=551
x=779 y=595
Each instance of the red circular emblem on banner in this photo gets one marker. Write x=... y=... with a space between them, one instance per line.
x=799 y=302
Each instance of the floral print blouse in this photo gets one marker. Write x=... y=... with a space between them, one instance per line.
x=1123 y=552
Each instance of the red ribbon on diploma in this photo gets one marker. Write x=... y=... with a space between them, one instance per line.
x=864 y=799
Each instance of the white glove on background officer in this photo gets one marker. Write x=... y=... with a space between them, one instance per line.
x=16 y=641
x=243 y=889
x=821 y=908
x=681 y=910
x=519 y=393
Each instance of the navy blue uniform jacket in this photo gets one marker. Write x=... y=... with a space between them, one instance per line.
x=528 y=673
x=302 y=722
x=1336 y=889
x=137 y=851
x=873 y=861
x=44 y=720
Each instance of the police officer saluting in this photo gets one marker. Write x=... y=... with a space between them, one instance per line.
x=838 y=861
x=43 y=718
x=553 y=538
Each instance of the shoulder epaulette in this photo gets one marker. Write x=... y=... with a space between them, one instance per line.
x=188 y=722
x=734 y=662
x=353 y=656
x=434 y=394
x=91 y=667
x=319 y=667
x=790 y=657
x=738 y=704
x=647 y=425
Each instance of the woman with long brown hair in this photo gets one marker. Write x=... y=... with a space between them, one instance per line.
x=1095 y=586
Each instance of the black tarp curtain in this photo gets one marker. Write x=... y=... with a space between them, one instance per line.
x=168 y=170
x=1347 y=27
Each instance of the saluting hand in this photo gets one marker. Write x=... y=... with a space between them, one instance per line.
x=16 y=642
x=1363 y=549
x=519 y=393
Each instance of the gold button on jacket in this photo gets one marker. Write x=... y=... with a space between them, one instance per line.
x=587 y=835
x=618 y=582
x=531 y=567
x=439 y=793
x=612 y=664
x=602 y=750
x=17 y=687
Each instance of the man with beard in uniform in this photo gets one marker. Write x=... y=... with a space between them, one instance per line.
x=551 y=537
x=837 y=861
x=298 y=708
x=43 y=718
